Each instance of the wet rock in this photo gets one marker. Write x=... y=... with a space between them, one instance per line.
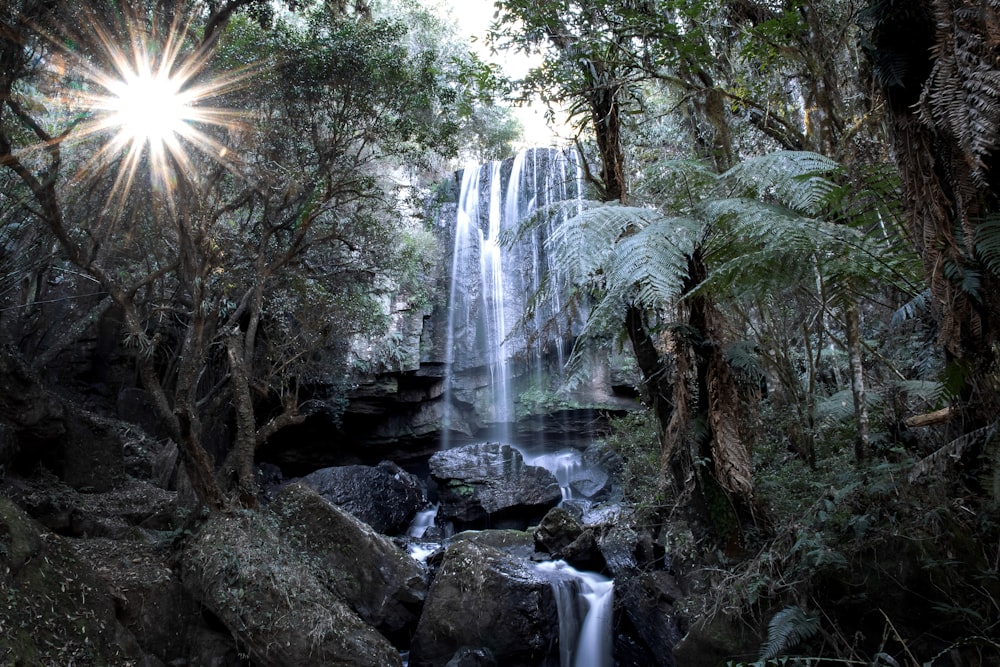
x=489 y=485
x=274 y=601
x=517 y=543
x=472 y=657
x=644 y=595
x=483 y=598
x=561 y=535
x=591 y=480
x=376 y=579
x=385 y=496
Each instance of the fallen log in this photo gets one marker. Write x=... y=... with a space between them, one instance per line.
x=930 y=418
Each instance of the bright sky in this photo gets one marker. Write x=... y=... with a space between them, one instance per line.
x=473 y=18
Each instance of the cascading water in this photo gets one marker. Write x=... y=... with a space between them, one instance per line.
x=562 y=463
x=585 y=602
x=489 y=359
x=422 y=521
x=491 y=284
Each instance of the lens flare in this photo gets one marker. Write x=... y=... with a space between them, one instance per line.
x=149 y=107
x=145 y=94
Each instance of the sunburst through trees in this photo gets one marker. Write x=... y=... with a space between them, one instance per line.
x=144 y=91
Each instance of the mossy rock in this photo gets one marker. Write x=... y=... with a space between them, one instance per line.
x=53 y=609
x=273 y=600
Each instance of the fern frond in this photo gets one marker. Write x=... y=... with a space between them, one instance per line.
x=677 y=185
x=790 y=627
x=744 y=357
x=584 y=243
x=918 y=305
x=654 y=260
x=965 y=278
x=839 y=406
x=962 y=95
x=925 y=390
x=938 y=461
x=988 y=243
x=799 y=180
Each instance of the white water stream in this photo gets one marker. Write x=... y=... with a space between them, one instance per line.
x=492 y=282
x=585 y=601
x=491 y=285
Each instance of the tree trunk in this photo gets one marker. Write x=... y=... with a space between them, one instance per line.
x=861 y=441
x=945 y=131
x=719 y=408
x=241 y=457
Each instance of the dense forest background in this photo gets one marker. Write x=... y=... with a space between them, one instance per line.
x=792 y=226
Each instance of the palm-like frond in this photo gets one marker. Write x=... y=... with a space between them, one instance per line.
x=584 y=244
x=654 y=260
x=756 y=247
x=677 y=185
x=799 y=180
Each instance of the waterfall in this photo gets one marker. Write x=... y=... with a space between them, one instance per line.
x=459 y=299
x=491 y=283
x=585 y=602
x=563 y=464
x=423 y=520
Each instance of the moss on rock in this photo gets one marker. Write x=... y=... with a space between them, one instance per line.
x=53 y=610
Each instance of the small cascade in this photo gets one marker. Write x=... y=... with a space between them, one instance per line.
x=564 y=464
x=422 y=521
x=585 y=601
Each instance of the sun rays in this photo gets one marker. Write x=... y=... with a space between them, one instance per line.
x=145 y=94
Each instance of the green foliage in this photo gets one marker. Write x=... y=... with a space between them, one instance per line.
x=633 y=437
x=788 y=628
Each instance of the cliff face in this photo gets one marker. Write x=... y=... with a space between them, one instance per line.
x=485 y=357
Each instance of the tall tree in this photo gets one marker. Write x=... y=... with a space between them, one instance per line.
x=594 y=68
x=935 y=64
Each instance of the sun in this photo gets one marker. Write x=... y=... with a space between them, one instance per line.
x=150 y=107
x=148 y=98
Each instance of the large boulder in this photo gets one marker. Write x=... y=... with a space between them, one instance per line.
x=273 y=600
x=55 y=610
x=385 y=496
x=592 y=479
x=379 y=581
x=153 y=604
x=645 y=595
x=489 y=485
x=491 y=603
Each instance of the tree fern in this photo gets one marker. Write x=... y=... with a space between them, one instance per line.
x=788 y=628
x=654 y=260
x=798 y=180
